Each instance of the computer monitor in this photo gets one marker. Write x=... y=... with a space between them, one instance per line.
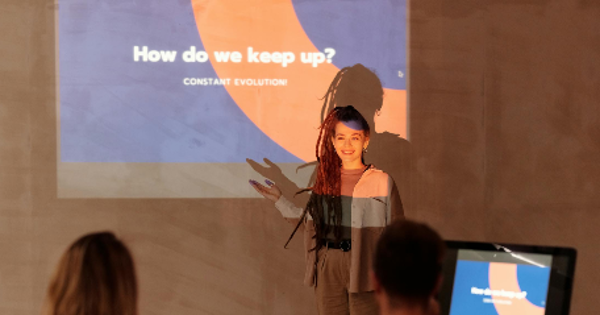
x=506 y=279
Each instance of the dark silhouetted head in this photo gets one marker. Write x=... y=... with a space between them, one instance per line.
x=95 y=276
x=408 y=264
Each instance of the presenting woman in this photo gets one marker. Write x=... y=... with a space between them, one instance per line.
x=349 y=206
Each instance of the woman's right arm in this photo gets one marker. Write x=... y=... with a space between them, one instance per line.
x=288 y=210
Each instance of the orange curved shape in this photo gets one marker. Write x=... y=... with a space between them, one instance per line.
x=289 y=115
x=503 y=276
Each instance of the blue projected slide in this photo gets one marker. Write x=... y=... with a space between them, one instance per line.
x=157 y=81
x=170 y=98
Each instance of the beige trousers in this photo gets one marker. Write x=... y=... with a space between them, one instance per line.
x=331 y=289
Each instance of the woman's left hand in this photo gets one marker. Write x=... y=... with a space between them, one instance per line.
x=272 y=192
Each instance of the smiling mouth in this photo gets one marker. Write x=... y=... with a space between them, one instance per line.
x=347 y=152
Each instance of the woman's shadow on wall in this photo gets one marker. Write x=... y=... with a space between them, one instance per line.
x=360 y=87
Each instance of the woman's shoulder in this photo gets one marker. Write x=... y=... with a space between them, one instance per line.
x=374 y=182
x=376 y=174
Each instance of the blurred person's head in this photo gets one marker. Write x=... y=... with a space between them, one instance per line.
x=407 y=268
x=95 y=276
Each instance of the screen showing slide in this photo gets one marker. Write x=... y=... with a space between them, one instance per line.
x=180 y=98
x=492 y=283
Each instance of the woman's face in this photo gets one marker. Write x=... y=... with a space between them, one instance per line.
x=349 y=142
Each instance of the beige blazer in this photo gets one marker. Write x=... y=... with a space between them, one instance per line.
x=375 y=203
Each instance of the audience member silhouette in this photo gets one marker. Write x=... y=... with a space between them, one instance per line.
x=95 y=276
x=407 y=269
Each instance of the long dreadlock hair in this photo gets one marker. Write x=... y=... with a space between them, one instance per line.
x=326 y=191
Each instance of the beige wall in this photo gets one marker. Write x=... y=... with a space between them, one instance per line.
x=505 y=136
x=505 y=120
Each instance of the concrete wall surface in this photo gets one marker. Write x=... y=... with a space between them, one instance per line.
x=505 y=146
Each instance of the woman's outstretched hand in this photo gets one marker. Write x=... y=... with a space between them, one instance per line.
x=270 y=192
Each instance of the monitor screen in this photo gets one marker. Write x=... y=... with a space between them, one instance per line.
x=493 y=279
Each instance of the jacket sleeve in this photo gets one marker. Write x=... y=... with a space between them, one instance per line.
x=395 y=210
x=289 y=211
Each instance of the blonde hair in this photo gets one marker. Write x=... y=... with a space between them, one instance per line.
x=95 y=276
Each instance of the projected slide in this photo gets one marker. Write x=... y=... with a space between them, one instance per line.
x=171 y=98
x=500 y=288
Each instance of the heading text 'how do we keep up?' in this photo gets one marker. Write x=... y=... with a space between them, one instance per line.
x=285 y=58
